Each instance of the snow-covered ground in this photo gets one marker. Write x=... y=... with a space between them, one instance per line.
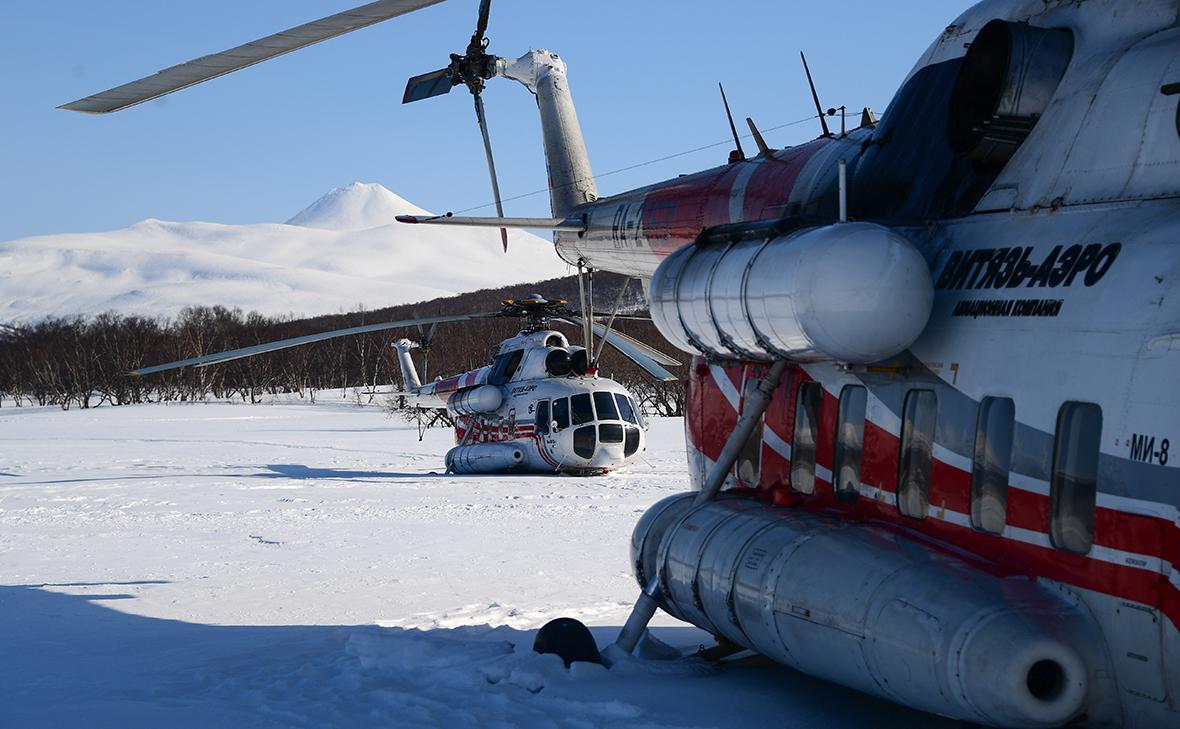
x=307 y=566
x=341 y=252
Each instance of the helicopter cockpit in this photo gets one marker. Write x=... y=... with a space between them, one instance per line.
x=609 y=419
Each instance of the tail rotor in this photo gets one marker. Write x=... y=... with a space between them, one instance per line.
x=472 y=69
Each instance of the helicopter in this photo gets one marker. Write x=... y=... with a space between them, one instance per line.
x=933 y=386
x=540 y=406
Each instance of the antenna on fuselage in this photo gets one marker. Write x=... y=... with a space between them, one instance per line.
x=762 y=146
x=738 y=154
x=819 y=110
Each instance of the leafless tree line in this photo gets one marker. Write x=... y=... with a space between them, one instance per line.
x=85 y=362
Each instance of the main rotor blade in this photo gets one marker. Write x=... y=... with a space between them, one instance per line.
x=219 y=64
x=212 y=359
x=435 y=83
x=648 y=359
x=648 y=350
x=487 y=148
x=481 y=25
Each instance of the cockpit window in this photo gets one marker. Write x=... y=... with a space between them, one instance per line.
x=584 y=440
x=505 y=367
x=625 y=408
x=610 y=433
x=581 y=411
x=542 y=421
x=604 y=403
x=561 y=413
x=631 y=445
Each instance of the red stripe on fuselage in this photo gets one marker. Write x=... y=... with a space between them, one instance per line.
x=675 y=212
x=770 y=187
x=711 y=418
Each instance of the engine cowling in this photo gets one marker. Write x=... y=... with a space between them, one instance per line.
x=557 y=362
x=1009 y=76
x=854 y=292
x=474 y=400
x=484 y=458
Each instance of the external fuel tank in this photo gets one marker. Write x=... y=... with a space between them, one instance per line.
x=868 y=607
x=852 y=292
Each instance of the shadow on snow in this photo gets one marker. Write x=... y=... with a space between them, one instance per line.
x=71 y=660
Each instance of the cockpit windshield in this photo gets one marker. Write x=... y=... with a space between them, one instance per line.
x=580 y=409
x=604 y=403
x=611 y=410
x=625 y=408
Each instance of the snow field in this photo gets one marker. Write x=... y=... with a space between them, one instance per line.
x=299 y=565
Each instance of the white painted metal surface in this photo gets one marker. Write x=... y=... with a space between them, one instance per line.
x=482 y=399
x=571 y=182
x=855 y=293
x=485 y=458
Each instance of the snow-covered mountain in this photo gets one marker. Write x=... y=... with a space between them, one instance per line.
x=358 y=206
x=341 y=252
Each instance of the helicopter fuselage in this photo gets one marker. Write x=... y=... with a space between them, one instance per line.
x=519 y=414
x=1024 y=435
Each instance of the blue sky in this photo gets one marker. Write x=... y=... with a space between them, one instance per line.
x=259 y=145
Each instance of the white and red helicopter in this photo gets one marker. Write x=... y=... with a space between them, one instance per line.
x=539 y=406
x=934 y=393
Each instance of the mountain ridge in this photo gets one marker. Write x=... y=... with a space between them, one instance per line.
x=337 y=254
x=358 y=206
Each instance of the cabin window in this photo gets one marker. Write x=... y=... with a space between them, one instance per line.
x=505 y=367
x=543 y=417
x=850 y=439
x=1073 y=490
x=631 y=444
x=610 y=433
x=807 y=406
x=917 y=453
x=604 y=404
x=749 y=461
x=561 y=413
x=580 y=409
x=625 y=408
x=990 y=465
x=584 y=441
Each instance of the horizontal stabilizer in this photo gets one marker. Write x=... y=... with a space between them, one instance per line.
x=535 y=223
x=219 y=64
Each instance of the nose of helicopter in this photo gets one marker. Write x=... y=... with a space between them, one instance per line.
x=608 y=455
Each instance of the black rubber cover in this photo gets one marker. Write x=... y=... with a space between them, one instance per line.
x=579 y=361
x=557 y=362
x=569 y=639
